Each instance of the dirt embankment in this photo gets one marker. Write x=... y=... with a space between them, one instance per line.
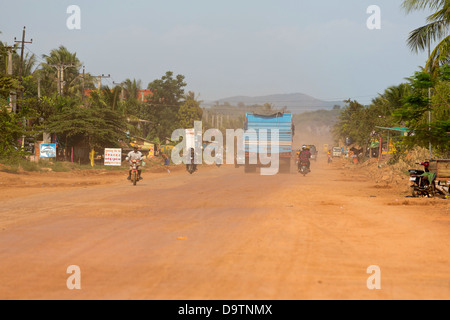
x=383 y=175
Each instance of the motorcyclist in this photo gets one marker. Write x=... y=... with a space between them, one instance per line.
x=429 y=176
x=192 y=159
x=304 y=157
x=135 y=155
x=426 y=165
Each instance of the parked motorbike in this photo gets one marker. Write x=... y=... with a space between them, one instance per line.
x=421 y=186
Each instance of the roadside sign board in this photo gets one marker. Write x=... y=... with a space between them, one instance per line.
x=48 y=150
x=113 y=157
x=151 y=150
x=29 y=146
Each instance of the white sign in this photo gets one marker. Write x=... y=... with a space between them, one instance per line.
x=113 y=157
x=48 y=150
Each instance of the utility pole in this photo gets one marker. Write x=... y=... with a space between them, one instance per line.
x=21 y=62
x=82 y=85
x=429 y=100
x=21 y=52
x=60 y=69
x=10 y=61
x=39 y=87
x=122 y=96
x=100 y=80
x=12 y=94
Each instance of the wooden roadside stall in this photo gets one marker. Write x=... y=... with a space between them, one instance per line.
x=441 y=167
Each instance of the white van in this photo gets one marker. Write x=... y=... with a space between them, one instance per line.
x=337 y=152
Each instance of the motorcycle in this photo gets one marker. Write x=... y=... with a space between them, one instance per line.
x=134 y=172
x=303 y=168
x=420 y=185
x=191 y=168
x=423 y=185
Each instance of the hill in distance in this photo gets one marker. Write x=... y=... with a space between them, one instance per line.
x=295 y=102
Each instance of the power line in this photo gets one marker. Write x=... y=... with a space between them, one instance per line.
x=60 y=68
x=37 y=56
x=21 y=64
x=100 y=77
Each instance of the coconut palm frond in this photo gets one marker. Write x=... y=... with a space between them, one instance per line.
x=441 y=15
x=440 y=55
x=420 y=38
x=413 y=5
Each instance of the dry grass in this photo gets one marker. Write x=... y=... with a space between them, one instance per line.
x=409 y=161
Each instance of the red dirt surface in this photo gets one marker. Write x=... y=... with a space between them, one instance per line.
x=220 y=234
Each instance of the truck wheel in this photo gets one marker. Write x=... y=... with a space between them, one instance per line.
x=285 y=166
x=250 y=168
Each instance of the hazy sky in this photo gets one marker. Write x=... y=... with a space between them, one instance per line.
x=229 y=48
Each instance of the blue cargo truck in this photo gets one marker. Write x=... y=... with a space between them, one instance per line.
x=260 y=143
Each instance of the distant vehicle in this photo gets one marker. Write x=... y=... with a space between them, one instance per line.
x=281 y=121
x=337 y=152
x=239 y=159
x=314 y=152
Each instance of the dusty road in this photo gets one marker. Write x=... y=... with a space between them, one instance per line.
x=221 y=234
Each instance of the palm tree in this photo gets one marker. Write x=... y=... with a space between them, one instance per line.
x=392 y=98
x=132 y=88
x=53 y=62
x=437 y=29
x=29 y=60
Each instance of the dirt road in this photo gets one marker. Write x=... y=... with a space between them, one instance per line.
x=222 y=234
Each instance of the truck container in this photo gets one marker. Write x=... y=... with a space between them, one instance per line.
x=256 y=145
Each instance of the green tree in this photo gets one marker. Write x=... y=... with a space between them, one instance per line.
x=189 y=111
x=8 y=84
x=436 y=29
x=72 y=78
x=11 y=124
x=11 y=132
x=29 y=60
x=132 y=104
x=98 y=125
x=358 y=123
x=163 y=105
x=414 y=113
x=132 y=88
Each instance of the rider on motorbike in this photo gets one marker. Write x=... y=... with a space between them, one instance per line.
x=135 y=155
x=192 y=160
x=428 y=176
x=304 y=157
